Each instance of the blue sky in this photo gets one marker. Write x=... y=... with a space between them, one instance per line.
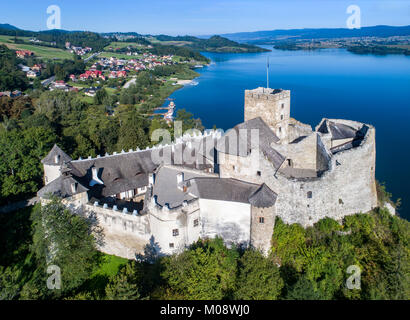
x=196 y=17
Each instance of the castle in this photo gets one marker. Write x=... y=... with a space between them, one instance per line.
x=231 y=185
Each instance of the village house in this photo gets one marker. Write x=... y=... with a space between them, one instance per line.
x=24 y=53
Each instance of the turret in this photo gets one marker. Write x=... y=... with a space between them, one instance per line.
x=53 y=164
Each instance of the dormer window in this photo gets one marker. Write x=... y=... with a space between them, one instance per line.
x=57 y=159
x=74 y=187
x=94 y=177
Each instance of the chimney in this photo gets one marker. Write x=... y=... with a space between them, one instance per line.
x=151 y=179
x=180 y=178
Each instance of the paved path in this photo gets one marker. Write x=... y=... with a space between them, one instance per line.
x=130 y=82
x=19 y=205
x=46 y=82
x=92 y=56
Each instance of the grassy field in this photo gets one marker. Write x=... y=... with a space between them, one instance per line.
x=109 y=265
x=117 y=55
x=121 y=45
x=46 y=53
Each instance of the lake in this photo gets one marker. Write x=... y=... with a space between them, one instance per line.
x=331 y=83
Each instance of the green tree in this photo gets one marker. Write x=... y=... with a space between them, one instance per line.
x=101 y=96
x=259 y=278
x=20 y=155
x=66 y=240
x=124 y=286
x=206 y=271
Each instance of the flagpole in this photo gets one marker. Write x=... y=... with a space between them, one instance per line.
x=267 y=73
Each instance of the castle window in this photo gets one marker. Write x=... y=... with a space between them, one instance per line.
x=309 y=194
x=259 y=173
x=281 y=117
x=340 y=201
x=289 y=162
x=338 y=163
x=283 y=105
x=171 y=245
x=280 y=129
x=261 y=220
x=196 y=222
x=175 y=232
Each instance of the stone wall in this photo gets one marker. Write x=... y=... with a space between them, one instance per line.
x=226 y=219
x=273 y=108
x=164 y=221
x=348 y=187
x=125 y=235
x=262 y=231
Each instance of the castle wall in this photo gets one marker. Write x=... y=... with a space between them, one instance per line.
x=226 y=219
x=344 y=189
x=163 y=221
x=125 y=235
x=301 y=154
x=297 y=129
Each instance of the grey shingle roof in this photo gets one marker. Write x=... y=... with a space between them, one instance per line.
x=241 y=147
x=263 y=197
x=166 y=188
x=50 y=159
x=228 y=189
x=129 y=170
x=62 y=187
x=341 y=131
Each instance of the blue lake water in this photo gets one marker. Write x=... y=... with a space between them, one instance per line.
x=330 y=83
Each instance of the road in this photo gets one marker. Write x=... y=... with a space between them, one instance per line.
x=46 y=82
x=130 y=82
x=92 y=56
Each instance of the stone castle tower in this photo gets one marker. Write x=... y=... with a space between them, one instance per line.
x=273 y=106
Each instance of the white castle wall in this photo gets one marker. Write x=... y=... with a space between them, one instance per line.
x=226 y=219
x=125 y=235
x=163 y=221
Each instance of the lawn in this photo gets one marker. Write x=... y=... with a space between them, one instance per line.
x=117 y=55
x=109 y=265
x=124 y=45
x=47 y=53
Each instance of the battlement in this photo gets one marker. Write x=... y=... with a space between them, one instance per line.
x=186 y=138
x=267 y=94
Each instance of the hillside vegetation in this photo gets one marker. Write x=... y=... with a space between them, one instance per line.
x=303 y=264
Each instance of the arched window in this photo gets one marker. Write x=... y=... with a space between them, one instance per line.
x=309 y=194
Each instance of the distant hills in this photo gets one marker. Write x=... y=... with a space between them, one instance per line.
x=99 y=40
x=7 y=26
x=260 y=37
